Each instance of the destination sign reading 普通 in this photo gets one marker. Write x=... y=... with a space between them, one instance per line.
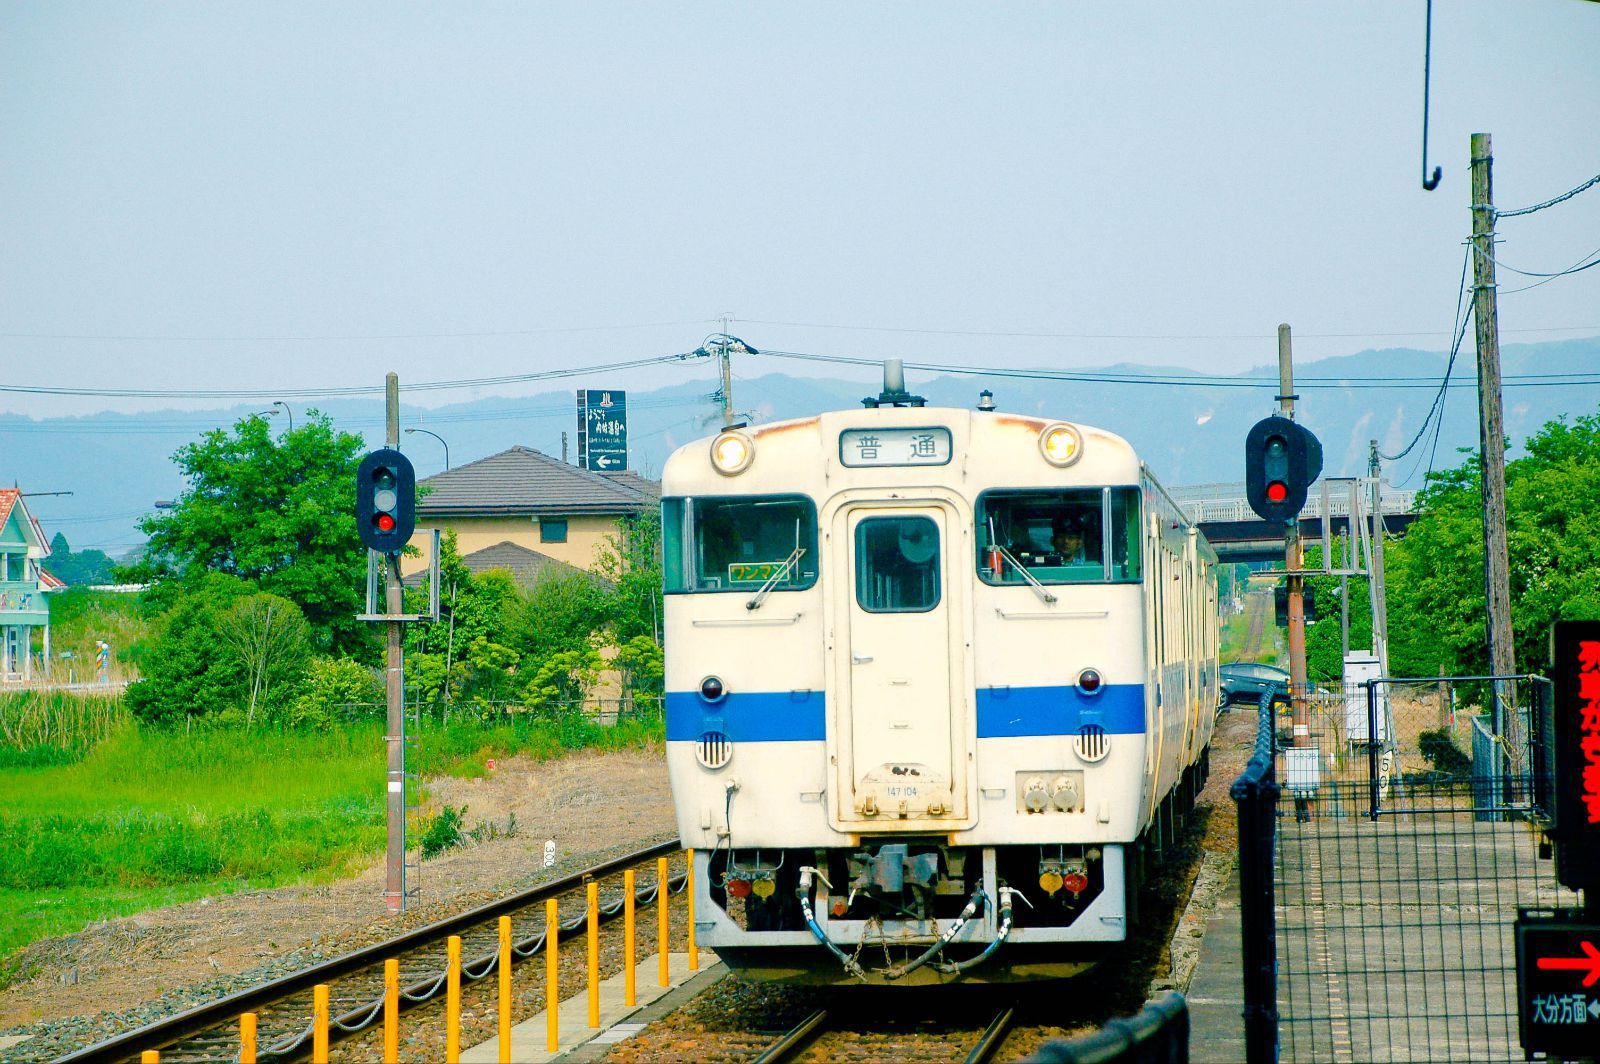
x=894 y=447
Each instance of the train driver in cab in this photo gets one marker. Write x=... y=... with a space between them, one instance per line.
x=1067 y=541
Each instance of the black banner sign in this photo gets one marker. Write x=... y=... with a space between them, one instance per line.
x=1558 y=984
x=1575 y=658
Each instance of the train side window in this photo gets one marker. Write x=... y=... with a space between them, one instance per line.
x=1069 y=536
x=739 y=543
x=897 y=564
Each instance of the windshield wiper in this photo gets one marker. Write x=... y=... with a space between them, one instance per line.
x=1033 y=581
x=772 y=581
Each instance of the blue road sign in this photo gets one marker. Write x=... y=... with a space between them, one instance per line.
x=602 y=430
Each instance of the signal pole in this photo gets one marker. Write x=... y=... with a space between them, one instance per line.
x=395 y=882
x=1294 y=558
x=1491 y=439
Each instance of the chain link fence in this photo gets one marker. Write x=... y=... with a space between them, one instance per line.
x=1400 y=830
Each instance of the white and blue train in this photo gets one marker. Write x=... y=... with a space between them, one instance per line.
x=939 y=681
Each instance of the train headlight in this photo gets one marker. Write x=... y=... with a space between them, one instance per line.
x=1090 y=683
x=732 y=453
x=1060 y=444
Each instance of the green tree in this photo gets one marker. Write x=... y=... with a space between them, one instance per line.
x=333 y=687
x=1435 y=573
x=187 y=671
x=631 y=561
x=269 y=641
x=277 y=511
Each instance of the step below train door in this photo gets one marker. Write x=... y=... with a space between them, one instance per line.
x=901 y=769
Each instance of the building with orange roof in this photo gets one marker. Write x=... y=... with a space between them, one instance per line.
x=24 y=585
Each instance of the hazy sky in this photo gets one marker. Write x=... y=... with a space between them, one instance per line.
x=236 y=195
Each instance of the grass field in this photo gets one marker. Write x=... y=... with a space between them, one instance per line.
x=80 y=616
x=148 y=817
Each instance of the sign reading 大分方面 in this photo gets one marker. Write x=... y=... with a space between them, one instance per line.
x=894 y=447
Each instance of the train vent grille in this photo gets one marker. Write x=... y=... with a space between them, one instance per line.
x=714 y=749
x=1092 y=744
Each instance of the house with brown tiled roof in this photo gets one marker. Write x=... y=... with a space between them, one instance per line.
x=528 y=500
x=24 y=583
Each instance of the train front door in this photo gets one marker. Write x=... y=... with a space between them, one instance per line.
x=900 y=767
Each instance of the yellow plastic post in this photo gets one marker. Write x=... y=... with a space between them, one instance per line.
x=688 y=898
x=552 y=990
x=505 y=990
x=452 y=1000
x=150 y=1056
x=629 y=994
x=663 y=889
x=594 y=954
x=247 y=1038
x=319 y=1024
x=391 y=1011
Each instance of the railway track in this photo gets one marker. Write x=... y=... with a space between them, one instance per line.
x=821 y=1032
x=284 y=1006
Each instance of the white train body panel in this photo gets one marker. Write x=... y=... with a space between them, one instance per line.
x=901 y=682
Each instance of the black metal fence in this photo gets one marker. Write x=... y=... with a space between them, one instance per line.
x=1379 y=898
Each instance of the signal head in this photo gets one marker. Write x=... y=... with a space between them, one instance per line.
x=385 y=500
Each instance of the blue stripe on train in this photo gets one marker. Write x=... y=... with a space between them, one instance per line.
x=1007 y=712
x=749 y=716
x=1003 y=712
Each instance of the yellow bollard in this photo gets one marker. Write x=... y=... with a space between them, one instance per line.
x=663 y=889
x=319 y=1024
x=505 y=990
x=150 y=1056
x=629 y=993
x=391 y=1011
x=247 y=1038
x=552 y=975
x=688 y=897
x=452 y=1000
x=594 y=954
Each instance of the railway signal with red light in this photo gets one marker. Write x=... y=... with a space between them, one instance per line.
x=386 y=488
x=1281 y=460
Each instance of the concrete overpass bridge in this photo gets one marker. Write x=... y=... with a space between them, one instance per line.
x=1238 y=535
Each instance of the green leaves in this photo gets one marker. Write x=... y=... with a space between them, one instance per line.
x=277 y=511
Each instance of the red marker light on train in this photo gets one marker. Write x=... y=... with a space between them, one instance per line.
x=711 y=689
x=1089 y=682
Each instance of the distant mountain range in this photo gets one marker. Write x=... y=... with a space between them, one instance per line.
x=1190 y=431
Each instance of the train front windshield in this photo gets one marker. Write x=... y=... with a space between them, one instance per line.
x=741 y=543
x=1076 y=536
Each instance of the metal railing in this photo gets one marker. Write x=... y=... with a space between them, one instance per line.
x=1255 y=793
x=1156 y=1034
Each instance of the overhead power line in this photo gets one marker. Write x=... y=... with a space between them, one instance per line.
x=281 y=338
x=1595 y=180
x=1032 y=335
x=1529 y=380
x=334 y=392
x=1437 y=406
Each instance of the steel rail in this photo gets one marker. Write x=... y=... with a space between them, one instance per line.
x=992 y=1038
x=795 y=1041
x=226 y=1009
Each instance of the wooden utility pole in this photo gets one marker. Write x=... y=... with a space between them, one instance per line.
x=1380 y=588
x=1491 y=438
x=1294 y=559
x=727 y=375
x=395 y=884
